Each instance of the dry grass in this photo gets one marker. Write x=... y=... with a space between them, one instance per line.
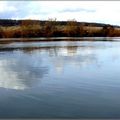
x=50 y=28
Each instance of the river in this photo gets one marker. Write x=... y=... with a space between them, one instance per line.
x=62 y=79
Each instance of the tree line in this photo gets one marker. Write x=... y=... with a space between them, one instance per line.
x=51 y=28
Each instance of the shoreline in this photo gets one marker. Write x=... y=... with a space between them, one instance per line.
x=50 y=39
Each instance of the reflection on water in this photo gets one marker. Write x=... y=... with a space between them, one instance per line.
x=22 y=69
x=60 y=80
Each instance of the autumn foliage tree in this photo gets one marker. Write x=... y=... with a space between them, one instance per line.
x=50 y=27
x=1 y=32
x=30 y=28
x=72 y=28
x=108 y=31
x=54 y=28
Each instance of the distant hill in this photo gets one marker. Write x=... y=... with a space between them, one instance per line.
x=9 y=22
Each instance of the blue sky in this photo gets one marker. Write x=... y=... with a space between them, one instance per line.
x=88 y=11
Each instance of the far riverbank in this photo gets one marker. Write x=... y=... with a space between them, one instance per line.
x=42 y=39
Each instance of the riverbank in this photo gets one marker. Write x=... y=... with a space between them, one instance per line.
x=53 y=28
x=50 y=39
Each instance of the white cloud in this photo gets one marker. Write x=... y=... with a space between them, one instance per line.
x=5 y=7
x=90 y=11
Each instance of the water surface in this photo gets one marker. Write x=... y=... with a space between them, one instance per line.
x=74 y=79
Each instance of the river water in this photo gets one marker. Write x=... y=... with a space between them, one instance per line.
x=67 y=79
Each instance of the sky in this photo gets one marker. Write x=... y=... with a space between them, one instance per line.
x=83 y=11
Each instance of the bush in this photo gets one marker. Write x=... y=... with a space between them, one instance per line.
x=1 y=32
x=50 y=28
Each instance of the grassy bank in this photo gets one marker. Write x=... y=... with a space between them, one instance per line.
x=51 y=28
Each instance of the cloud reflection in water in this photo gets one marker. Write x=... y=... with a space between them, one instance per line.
x=25 y=68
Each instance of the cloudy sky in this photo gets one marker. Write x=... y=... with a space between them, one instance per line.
x=89 y=11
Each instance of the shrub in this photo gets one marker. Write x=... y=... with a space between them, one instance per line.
x=108 y=31
x=50 y=28
x=1 y=32
x=72 y=28
x=30 y=28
